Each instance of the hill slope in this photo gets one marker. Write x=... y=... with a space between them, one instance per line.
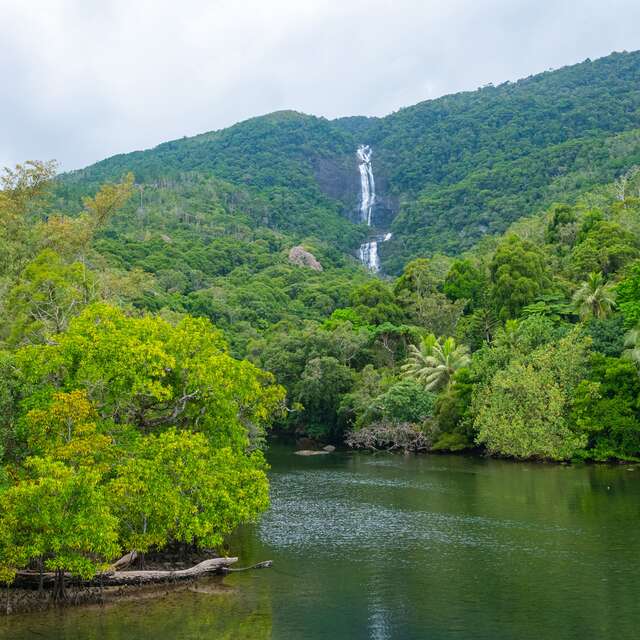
x=447 y=171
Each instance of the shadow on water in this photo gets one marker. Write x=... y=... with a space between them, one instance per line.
x=408 y=547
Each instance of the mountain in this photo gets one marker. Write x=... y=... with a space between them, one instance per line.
x=447 y=171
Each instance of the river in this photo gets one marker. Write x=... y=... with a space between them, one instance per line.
x=393 y=547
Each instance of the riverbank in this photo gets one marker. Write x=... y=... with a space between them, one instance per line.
x=27 y=601
x=32 y=591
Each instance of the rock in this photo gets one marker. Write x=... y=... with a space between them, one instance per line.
x=309 y=452
x=303 y=258
x=329 y=448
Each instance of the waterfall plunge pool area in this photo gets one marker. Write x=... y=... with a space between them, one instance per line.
x=405 y=547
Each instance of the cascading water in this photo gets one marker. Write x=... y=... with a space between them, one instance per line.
x=369 y=255
x=367 y=183
x=368 y=252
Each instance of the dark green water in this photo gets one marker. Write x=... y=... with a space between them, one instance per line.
x=388 y=547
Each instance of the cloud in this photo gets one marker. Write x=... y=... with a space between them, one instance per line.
x=85 y=79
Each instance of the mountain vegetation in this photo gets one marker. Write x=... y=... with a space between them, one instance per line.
x=448 y=171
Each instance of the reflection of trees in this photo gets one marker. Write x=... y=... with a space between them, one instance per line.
x=207 y=609
x=515 y=550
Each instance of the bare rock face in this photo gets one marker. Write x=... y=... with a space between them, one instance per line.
x=303 y=258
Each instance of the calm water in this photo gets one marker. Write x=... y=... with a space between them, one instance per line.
x=388 y=547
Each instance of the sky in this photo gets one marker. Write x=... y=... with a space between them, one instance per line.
x=82 y=80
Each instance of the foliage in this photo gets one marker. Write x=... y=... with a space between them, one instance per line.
x=434 y=364
x=518 y=276
x=628 y=295
x=606 y=409
x=594 y=298
x=150 y=374
x=175 y=486
x=60 y=514
x=465 y=282
x=525 y=411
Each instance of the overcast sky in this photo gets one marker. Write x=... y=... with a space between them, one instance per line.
x=85 y=79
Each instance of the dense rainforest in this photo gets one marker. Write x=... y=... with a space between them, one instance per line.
x=163 y=309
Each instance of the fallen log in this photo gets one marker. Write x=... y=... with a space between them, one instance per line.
x=214 y=565
x=260 y=565
x=30 y=579
x=123 y=562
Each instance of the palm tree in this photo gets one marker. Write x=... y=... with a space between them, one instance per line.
x=632 y=345
x=435 y=362
x=594 y=298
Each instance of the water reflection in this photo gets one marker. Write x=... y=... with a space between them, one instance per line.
x=419 y=547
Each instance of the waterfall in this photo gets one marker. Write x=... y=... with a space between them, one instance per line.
x=369 y=255
x=367 y=183
x=368 y=252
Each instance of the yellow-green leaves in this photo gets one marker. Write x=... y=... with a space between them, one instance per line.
x=132 y=432
x=60 y=514
x=176 y=486
x=110 y=198
x=153 y=375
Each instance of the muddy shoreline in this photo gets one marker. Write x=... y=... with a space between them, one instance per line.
x=15 y=601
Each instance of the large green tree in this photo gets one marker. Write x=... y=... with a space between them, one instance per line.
x=519 y=276
x=524 y=412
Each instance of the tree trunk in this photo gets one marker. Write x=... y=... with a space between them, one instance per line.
x=59 y=593
x=41 y=576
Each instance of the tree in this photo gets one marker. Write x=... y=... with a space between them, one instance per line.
x=323 y=382
x=628 y=295
x=416 y=292
x=49 y=293
x=605 y=408
x=110 y=198
x=376 y=303
x=69 y=430
x=524 y=411
x=632 y=346
x=607 y=247
x=607 y=335
x=145 y=372
x=22 y=190
x=174 y=486
x=595 y=298
x=523 y=416
x=435 y=362
x=136 y=432
x=518 y=276
x=406 y=401
x=465 y=282
x=417 y=278
x=562 y=227
x=452 y=416
x=59 y=515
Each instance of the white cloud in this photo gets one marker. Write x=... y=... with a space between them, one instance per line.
x=84 y=79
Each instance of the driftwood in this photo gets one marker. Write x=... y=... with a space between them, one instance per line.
x=260 y=565
x=214 y=565
x=123 y=562
x=117 y=578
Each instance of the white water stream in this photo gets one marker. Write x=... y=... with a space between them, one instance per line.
x=367 y=183
x=368 y=252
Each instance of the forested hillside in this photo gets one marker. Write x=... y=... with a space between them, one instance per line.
x=449 y=171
